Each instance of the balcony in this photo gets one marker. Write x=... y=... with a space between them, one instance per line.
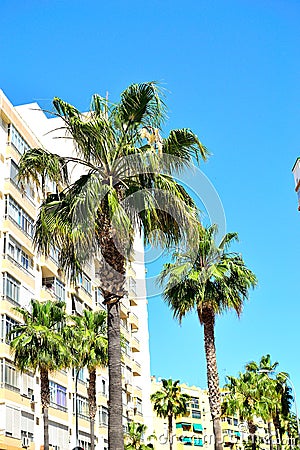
x=136 y=369
x=55 y=287
x=134 y=321
x=135 y=345
x=123 y=310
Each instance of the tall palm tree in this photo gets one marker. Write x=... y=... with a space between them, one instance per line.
x=126 y=185
x=135 y=437
x=89 y=349
x=212 y=283
x=170 y=403
x=39 y=344
x=246 y=396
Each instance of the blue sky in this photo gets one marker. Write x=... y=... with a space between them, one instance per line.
x=232 y=71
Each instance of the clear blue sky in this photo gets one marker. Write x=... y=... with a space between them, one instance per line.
x=232 y=69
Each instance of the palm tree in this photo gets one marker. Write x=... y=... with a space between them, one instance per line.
x=39 y=344
x=170 y=403
x=135 y=436
x=246 y=396
x=122 y=189
x=211 y=283
x=277 y=392
x=89 y=349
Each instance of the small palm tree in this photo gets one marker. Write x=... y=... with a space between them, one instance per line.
x=122 y=156
x=135 y=437
x=89 y=349
x=170 y=403
x=277 y=392
x=214 y=282
x=246 y=396
x=39 y=344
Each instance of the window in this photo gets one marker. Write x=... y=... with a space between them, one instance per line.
x=11 y=288
x=85 y=283
x=81 y=376
x=235 y=422
x=19 y=256
x=99 y=299
x=17 y=140
x=58 y=435
x=196 y=414
x=14 y=211
x=27 y=425
x=126 y=347
x=7 y=324
x=194 y=402
x=103 y=416
x=132 y=285
x=9 y=376
x=104 y=388
x=54 y=254
x=13 y=421
x=138 y=405
x=55 y=286
x=14 y=169
x=58 y=396
x=82 y=407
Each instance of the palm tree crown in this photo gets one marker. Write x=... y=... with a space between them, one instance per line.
x=216 y=280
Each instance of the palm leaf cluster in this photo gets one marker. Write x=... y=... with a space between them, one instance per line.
x=135 y=438
x=256 y=394
x=117 y=146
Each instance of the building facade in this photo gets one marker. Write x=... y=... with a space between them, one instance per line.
x=26 y=275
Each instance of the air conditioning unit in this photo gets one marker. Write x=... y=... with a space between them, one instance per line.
x=25 y=442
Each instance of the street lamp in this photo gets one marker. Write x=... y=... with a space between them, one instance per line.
x=287 y=378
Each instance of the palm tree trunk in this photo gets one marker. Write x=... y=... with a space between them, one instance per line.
x=45 y=399
x=276 y=421
x=170 y=431
x=270 y=435
x=208 y=319
x=92 y=404
x=252 y=430
x=112 y=284
x=115 y=409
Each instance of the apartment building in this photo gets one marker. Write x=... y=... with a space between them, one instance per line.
x=26 y=275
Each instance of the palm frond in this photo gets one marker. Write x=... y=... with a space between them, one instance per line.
x=38 y=164
x=141 y=104
x=182 y=145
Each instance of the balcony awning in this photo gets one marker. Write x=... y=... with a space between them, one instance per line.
x=197 y=427
x=183 y=424
x=186 y=440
